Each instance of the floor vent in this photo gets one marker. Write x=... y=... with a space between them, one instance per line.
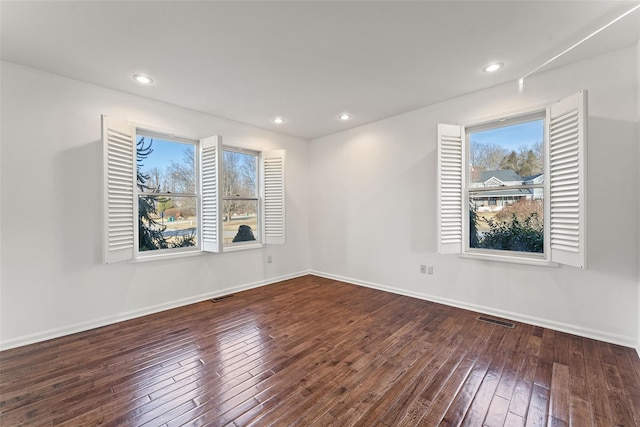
x=222 y=298
x=496 y=322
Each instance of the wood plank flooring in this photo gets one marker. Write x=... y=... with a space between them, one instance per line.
x=313 y=351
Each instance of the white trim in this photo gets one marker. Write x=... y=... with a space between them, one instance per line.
x=109 y=320
x=595 y=334
x=242 y=246
x=508 y=257
x=507 y=120
x=512 y=114
x=167 y=255
x=164 y=132
x=631 y=342
x=151 y=133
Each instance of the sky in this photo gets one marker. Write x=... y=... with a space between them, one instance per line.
x=163 y=153
x=512 y=137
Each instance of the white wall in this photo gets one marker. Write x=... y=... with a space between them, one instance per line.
x=371 y=220
x=52 y=278
x=638 y=143
x=373 y=210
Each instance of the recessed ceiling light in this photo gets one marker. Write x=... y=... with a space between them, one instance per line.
x=493 y=67
x=278 y=120
x=142 y=79
x=344 y=116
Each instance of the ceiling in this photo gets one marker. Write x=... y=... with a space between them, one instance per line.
x=306 y=61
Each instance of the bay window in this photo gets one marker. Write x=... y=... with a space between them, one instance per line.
x=166 y=195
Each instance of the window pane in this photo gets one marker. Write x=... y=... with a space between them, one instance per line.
x=507 y=220
x=507 y=155
x=240 y=173
x=167 y=222
x=240 y=221
x=165 y=166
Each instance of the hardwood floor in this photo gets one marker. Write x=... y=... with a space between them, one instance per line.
x=312 y=351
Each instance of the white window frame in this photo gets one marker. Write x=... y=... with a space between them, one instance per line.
x=141 y=255
x=564 y=189
x=228 y=247
x=120 y=215
x=467 y=190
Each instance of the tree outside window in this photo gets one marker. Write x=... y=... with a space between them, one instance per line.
x=241 y=210
x=167 y=201
x=506 y=181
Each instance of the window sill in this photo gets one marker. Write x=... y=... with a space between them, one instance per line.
x=241 y=247
x=192 y=253
x=510 y=259
x=166 y=256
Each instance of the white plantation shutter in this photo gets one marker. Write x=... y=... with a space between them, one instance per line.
x=274 y=196
x=119 y=164
x=450 y=189
x=211 y=156
x=567 y=175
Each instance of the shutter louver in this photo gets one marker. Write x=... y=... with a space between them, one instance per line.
x=450 y=179
x=211 y=154
x=119 y=162
x=567 y=193
x=274 y=196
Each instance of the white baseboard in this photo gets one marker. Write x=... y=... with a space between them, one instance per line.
x=109 y=320
x=104 y=321
x=625 y=341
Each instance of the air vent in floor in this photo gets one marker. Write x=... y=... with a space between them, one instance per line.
x=496 y=322
x=221 y=298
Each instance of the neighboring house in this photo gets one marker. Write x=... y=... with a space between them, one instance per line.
x=535 y=179
x=503 y=196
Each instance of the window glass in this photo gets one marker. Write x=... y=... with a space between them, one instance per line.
x=240 y=196
x=240 y=221
x=240 y=174
x=515 y=148
x=167 y=196
x=503 y=218
x=506 y=222
x=167 y=201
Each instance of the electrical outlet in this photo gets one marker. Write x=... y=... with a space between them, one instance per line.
x=269 y=260
x=430 y=269
x=423 y=269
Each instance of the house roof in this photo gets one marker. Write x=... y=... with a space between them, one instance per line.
x=531 y=178
x=503 y=175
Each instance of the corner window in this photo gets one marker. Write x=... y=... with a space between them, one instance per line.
x=515 y=189
x=167 y=196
